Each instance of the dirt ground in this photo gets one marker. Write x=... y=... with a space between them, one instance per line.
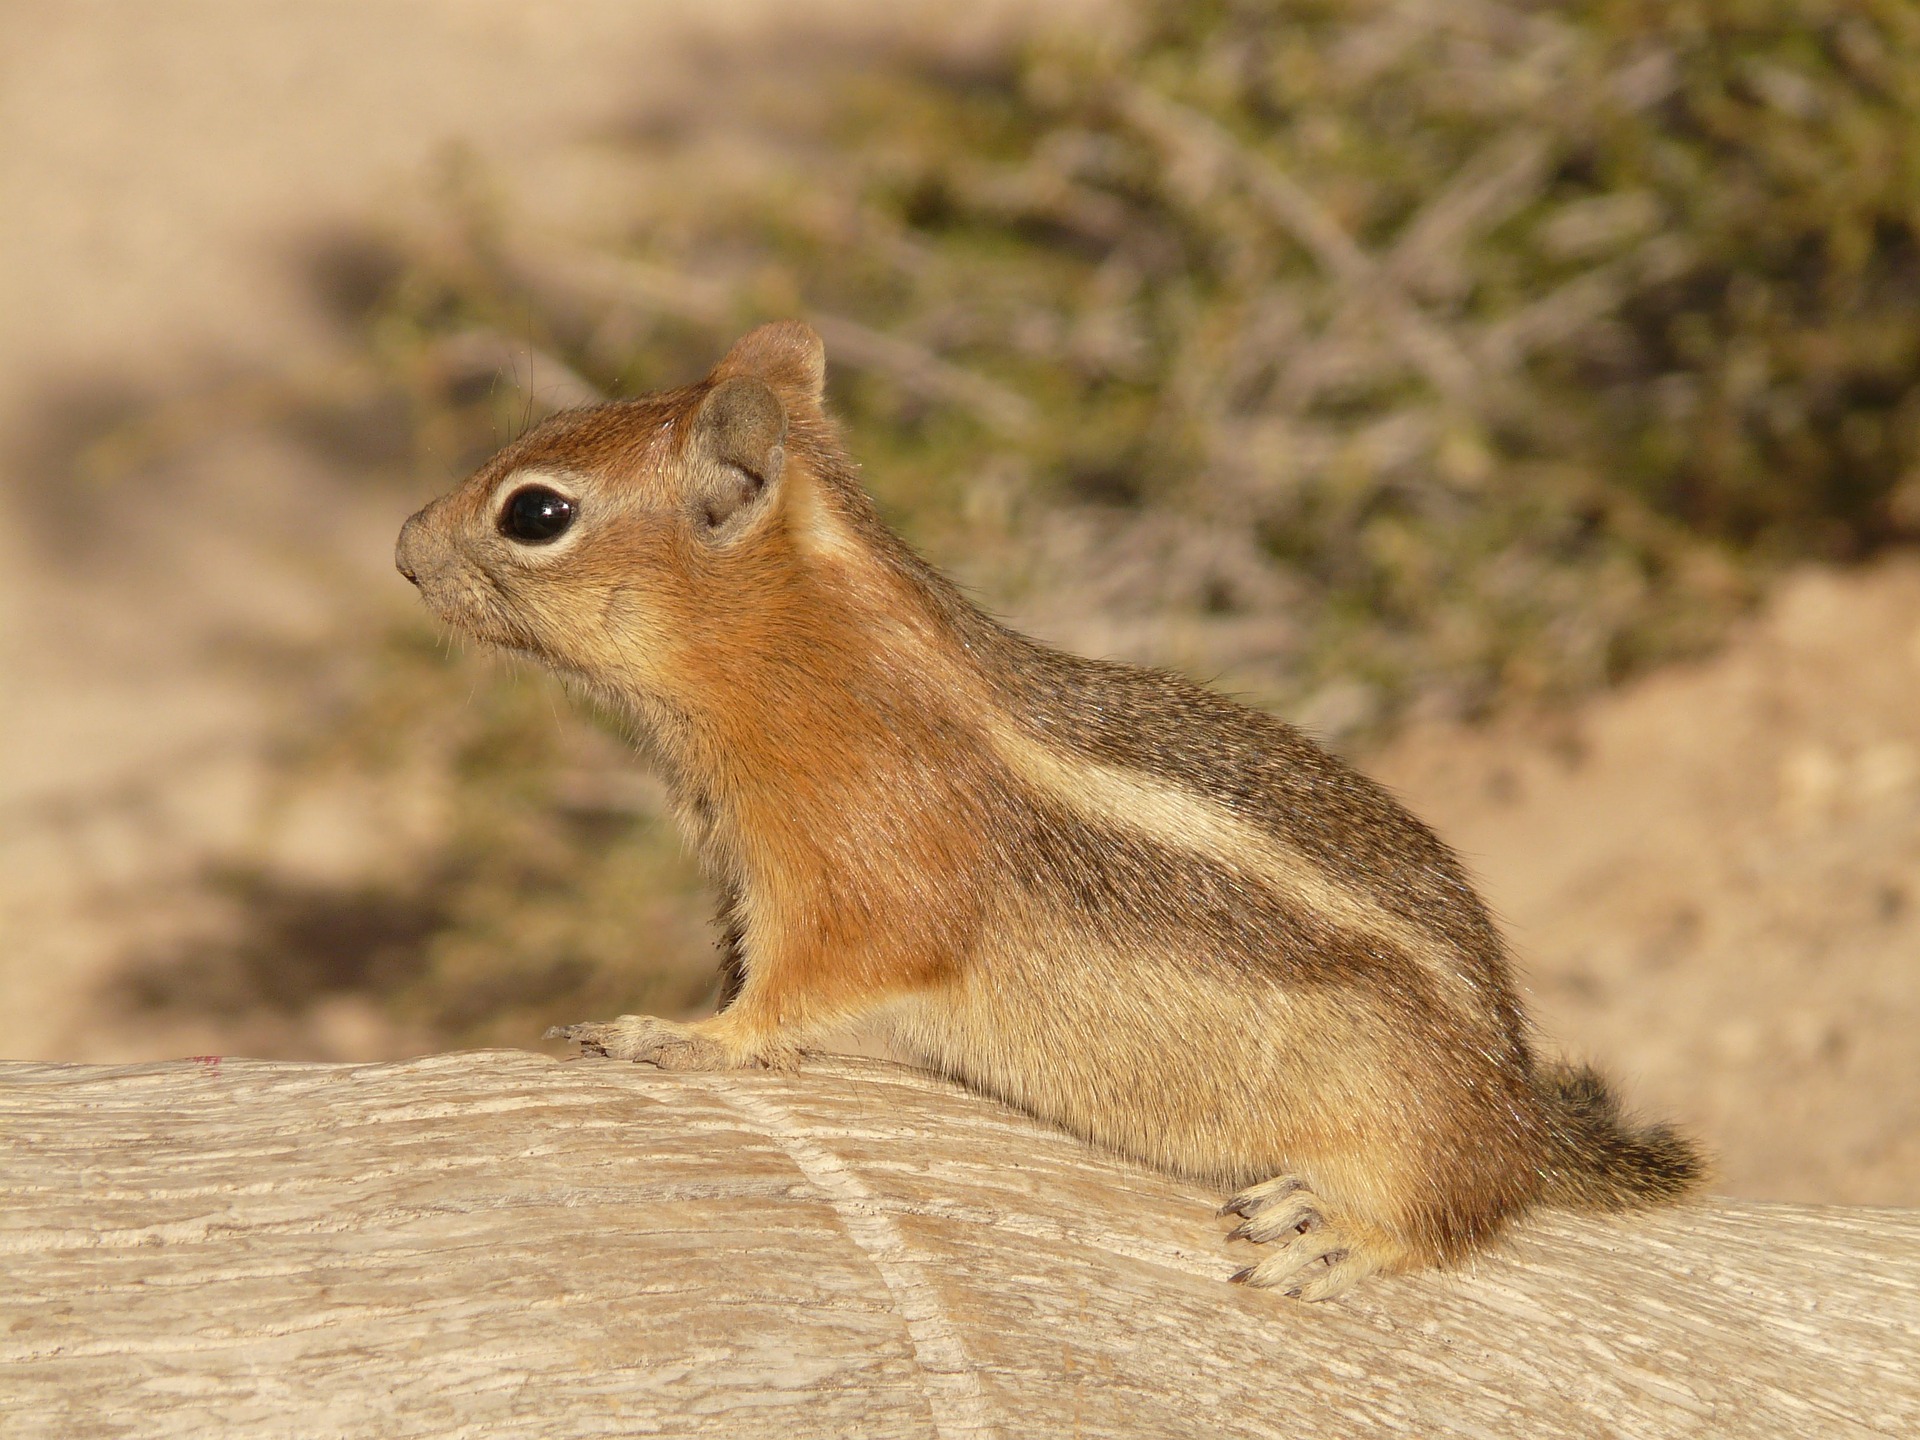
x=1712 y=877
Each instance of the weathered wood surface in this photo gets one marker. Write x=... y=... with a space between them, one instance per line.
x=500 y=1244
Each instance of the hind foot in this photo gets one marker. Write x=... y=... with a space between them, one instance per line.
x=1311 y=1256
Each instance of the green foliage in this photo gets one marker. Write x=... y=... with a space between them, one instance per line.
x=546 y=883
x=559 y=886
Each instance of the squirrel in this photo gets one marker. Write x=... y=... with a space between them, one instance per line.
x=1146 y=913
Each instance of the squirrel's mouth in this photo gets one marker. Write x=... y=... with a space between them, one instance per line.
x=473 y=610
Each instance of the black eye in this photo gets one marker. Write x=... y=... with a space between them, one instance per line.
x=535 y=515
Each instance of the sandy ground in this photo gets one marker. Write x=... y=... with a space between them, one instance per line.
x=1712 y=878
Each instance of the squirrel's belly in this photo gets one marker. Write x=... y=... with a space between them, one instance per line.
x=1149 y=1055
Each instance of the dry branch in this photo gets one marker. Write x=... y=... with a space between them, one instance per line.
x=1447 y=367
x=499 y=1244
x=548 y=382
x=913 y=367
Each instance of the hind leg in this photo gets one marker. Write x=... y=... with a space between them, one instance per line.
x=1313 y=1251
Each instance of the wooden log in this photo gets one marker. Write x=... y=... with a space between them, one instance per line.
x=498 y=1243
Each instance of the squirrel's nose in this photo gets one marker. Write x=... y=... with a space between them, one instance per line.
x=401 y=560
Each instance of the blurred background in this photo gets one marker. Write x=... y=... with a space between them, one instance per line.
x=1525 y=398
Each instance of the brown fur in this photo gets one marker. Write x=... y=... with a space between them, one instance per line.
x=1130 y=906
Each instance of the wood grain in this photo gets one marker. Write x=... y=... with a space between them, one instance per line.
x=497 y=1243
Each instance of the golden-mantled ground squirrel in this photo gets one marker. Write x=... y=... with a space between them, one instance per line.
x=1127 y=905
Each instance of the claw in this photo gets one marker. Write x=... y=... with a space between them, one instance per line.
x=1316 y=1267
x=1255 y=1198
x=586 y=1035
x=1295 y=1214
x=1259 y=1232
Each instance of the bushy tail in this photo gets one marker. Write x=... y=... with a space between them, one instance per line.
x=1597 y=1159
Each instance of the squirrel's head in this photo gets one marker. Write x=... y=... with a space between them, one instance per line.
x=613 y=542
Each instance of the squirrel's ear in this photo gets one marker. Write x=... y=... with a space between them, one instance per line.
x=736 y=452
x=787 y=355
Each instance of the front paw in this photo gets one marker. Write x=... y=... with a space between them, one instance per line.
x=653 y=1041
